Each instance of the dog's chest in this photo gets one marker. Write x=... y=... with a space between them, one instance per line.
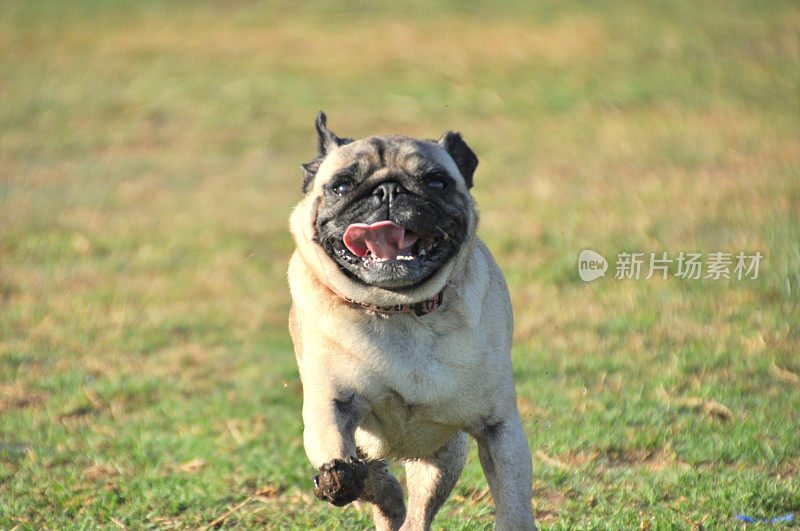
x=412 y=360
x=419 y=369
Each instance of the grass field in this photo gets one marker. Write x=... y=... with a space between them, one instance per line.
x=149 y=158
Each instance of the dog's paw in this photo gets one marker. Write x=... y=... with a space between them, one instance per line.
x=340 y=481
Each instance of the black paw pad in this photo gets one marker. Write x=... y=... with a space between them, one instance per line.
x=340 y=481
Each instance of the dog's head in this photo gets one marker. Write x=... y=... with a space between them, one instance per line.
x=391 y=212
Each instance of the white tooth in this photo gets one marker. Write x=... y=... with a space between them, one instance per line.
x=423 y=252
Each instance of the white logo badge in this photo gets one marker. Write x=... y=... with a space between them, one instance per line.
x=591 y=265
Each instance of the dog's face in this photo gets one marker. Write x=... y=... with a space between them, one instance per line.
x=390 y=210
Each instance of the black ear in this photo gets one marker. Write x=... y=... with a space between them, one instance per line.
x=326 y=141
x=463 y=156
x=309 y=171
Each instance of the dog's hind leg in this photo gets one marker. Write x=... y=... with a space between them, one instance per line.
x=431 y=480
x=382 y=490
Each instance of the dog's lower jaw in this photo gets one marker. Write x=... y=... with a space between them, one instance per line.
x=401 y=273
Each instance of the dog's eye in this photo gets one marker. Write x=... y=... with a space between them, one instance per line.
x=342 y=189
x=437 y=184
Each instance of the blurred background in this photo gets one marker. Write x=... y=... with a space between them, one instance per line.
x=149 y=158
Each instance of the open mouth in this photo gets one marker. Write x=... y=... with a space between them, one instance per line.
x=385 y=243
x=389 y=255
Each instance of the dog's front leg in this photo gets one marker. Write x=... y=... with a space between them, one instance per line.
x=331 y=419
x=506 y=460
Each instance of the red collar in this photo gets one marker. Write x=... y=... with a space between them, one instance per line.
x=420 y=308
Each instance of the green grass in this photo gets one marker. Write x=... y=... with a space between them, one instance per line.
x=149 y=158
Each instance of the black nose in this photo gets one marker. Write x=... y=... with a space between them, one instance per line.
x=387 y=192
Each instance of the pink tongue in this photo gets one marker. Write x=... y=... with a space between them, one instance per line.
x=384 y=239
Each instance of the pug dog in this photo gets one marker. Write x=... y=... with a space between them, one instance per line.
x=402 y=324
